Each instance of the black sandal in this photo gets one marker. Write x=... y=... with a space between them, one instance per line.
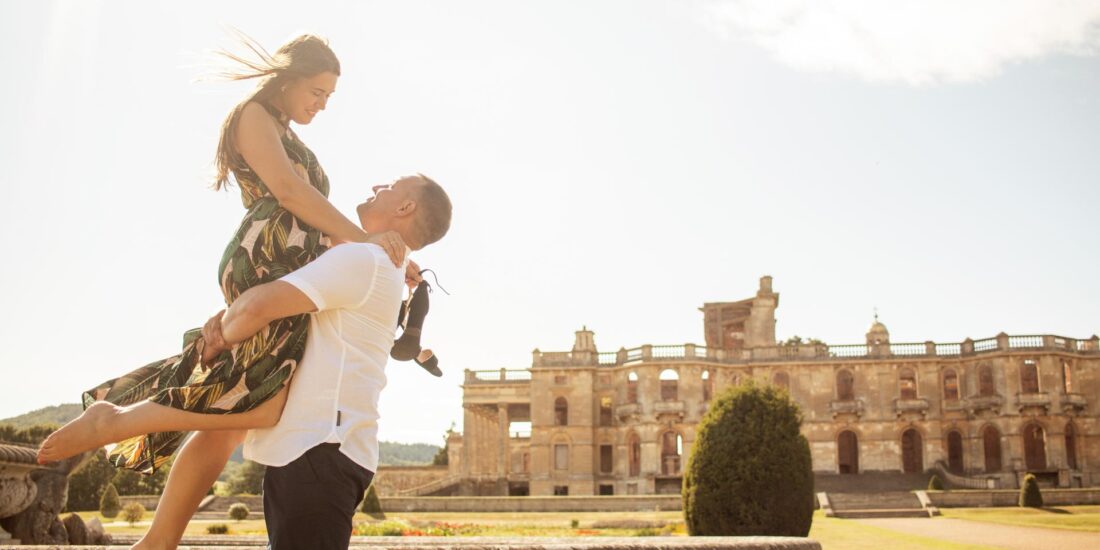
x=411 y=318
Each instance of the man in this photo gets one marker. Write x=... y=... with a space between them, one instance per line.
x=323 y=453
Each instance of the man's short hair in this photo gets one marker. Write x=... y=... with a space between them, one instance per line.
x=434 y=219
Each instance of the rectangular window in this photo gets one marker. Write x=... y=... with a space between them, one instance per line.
x=1029 y=377
x=606 y=463
x=561 y=490
x=605 y=411
x=561 y=457
x=1067 y=377
x=560 y=379
x=607 y=490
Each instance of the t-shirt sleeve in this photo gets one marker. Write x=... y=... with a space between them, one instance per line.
x=341 y=277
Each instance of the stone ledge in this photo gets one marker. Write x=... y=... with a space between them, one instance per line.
x=504 y=543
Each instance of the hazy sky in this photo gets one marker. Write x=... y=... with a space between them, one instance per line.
x=612 y=164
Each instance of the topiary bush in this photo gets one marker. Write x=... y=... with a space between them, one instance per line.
x=109 y=505
x=133 y=513
x=935 y=484
x=750 y=471
x=371 y=505
x=1030 y=495
x=217 y=529
x=239 y=511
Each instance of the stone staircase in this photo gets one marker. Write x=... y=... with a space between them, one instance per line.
x=884 y=504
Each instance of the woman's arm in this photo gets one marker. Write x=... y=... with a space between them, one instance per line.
x=261 y=147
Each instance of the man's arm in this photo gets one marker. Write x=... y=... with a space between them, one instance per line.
x=338 y=278
x=259 y=306
x=256 y=308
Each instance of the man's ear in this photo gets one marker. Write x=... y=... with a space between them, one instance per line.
x=407 y=208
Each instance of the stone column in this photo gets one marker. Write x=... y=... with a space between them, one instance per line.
x=502 y=449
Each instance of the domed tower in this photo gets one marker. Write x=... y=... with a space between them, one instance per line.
x=878 y=338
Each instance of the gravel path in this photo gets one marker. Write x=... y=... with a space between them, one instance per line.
x=989 y=534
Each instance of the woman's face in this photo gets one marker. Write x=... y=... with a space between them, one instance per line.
x=305 y=97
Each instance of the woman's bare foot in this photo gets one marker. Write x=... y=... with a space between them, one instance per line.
x=90 y=430
x=144 y=544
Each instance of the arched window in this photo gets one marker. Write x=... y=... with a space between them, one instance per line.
x=561 y=412
x=635 y=455
x=907 y=383
x=672 y=446
x=670 y=382
x=1071 y=447
x=1029 y=377
x=955 y=452
x=708 y=386
x=632 y=387
x=782 y=380
x=1067 y=377
x=912 y=455
x=950 y=385
x=985 y=381
x=1035 y=447
x=991 y=444
x=844 y=383
x=847 y=452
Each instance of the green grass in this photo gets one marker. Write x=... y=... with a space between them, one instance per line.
x=1073 y=518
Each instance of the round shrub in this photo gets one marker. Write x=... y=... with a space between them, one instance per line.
x=935 y=484
x=750 y=471
x=109 y=505
x=238 y=511
x=133 y=513
x=1030 y=495
x=217 y=529
x=371 y=505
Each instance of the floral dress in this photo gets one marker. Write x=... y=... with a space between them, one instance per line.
x=270 y=242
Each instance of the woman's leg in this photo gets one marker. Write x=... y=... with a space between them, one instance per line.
x=197 y=466
x=104 y=423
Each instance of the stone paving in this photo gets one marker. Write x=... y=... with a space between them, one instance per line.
x=989 y=534
x=514 y=543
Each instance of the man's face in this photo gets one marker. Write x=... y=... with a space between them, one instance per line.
x=386 y=200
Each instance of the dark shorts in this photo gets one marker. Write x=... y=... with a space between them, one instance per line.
x=309 y=503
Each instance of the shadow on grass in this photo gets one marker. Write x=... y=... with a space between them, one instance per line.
x=1055 y=511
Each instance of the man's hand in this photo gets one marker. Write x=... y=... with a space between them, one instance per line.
x=392 y=243
x=213 y=338
x=412 y=275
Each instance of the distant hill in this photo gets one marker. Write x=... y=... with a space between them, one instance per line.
x=390 y=453
x=57 y=414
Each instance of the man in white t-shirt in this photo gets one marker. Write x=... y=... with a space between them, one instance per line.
x=323 y=453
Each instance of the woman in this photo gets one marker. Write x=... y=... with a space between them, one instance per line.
x=289 y=222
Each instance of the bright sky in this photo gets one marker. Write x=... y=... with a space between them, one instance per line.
x=612 y=164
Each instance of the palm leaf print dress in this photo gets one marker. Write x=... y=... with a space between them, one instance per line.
x=271 y=242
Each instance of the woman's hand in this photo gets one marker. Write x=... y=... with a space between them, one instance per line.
x=214 y=341
x=393 y=244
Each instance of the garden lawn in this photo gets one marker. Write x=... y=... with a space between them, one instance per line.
x=1075 y=518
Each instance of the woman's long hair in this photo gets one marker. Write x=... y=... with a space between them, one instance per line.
x=303 y=57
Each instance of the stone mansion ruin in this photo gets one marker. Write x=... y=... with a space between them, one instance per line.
x=980 y=412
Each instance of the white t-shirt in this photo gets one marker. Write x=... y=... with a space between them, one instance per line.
x=334 y=391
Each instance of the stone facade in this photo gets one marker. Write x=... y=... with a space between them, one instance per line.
x=982 y=412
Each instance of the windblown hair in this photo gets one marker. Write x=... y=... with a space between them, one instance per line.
x=303 y=57
x=434 y=212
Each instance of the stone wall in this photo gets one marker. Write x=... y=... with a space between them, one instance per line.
x=982 y=499
x=641 y=503
x=391 y=480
